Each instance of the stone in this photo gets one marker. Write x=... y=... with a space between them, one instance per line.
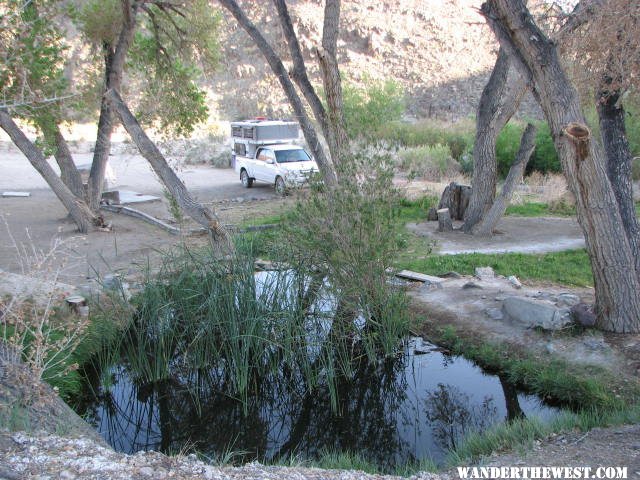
x=532 y=314
x=419 y=277
x=470 y=285
x=67 y=475
x=500 y=298
x=596 y=344
x=484 y=273
x=450 y=274
x=583 y=315
x=494 y=313
x=567 y=300
x=147 y=471
x=515 y=283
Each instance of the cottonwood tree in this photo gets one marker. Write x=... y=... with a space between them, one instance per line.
x=330 y=118
x=32 y=86
x=604 y=54
x=616 y=280
x=168 y=37
x=500 y=100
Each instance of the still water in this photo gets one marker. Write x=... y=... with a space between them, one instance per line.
x=415 y=406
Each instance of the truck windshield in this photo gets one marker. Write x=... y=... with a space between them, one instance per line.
x=287 y=156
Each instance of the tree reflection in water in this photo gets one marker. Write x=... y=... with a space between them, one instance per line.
x=393 y=412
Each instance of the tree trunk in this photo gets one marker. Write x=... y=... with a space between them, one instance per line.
x=619 y=165
x=583 y=161
x=82 y=216
x=444 y=220
x=324 y=163
x=327 y=58
x=495 y=213
x=114 y=59
x=202 y=215
x=68 y=170
x=456 y=198
x=499 y=101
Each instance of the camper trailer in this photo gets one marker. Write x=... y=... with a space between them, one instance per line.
x=263 y=151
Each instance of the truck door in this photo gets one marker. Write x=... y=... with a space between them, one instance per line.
x=265 y=169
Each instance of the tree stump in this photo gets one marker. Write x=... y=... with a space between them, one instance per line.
x=456 y=198
x=432 y=215
x=444 y=220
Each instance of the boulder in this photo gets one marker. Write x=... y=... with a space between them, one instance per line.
x=532 y=314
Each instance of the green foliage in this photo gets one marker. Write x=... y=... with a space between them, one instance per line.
x=350 y=234
x=32 y=54
x=458 y=137
x=544 y=158
x=570 y=267
x=368 y=108
x=430 y=161
x=100 y=21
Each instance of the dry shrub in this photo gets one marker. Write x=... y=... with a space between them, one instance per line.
x=550 y=188
x=34 y=329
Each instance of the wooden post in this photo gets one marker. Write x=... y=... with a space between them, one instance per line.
x=444 y=220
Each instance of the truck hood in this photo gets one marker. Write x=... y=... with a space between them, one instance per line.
x=295 y=167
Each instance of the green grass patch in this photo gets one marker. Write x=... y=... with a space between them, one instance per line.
x=540 y=209
x=521 y=434
x=569 y=267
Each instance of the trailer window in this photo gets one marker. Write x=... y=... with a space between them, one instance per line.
x=240 y=149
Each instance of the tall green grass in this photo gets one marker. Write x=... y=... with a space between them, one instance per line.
x=199 y=318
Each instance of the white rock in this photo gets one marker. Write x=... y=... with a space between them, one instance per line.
x=485 y=273
x=513 y=280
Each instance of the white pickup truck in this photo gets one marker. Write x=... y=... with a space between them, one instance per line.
x=263 y=152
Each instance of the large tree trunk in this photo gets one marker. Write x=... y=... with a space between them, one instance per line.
x=492 y=217
x=114 y=59
x=619 y=165
x=201 y=214
x=81 y=214
x=583 y=161
x=499 y=101
x=327 y=58
x=275 y=63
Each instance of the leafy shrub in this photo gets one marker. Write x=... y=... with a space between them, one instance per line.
x=544 y=158
x=431 y=162
x=367 y=108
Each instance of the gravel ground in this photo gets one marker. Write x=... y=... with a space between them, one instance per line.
x=53 y=457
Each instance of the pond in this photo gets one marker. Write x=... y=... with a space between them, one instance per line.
x=417 y=405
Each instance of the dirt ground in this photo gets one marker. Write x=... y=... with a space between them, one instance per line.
x=38 y=224
x=515 y=234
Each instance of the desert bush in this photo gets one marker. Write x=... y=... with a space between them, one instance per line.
x=208 y=151
x=430 y=162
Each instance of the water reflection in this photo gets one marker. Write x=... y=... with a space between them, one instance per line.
x=402 y=410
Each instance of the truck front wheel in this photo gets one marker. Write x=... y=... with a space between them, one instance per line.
x=247 y=181
x=281 y=188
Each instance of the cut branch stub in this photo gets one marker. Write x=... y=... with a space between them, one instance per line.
x=579 y=135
